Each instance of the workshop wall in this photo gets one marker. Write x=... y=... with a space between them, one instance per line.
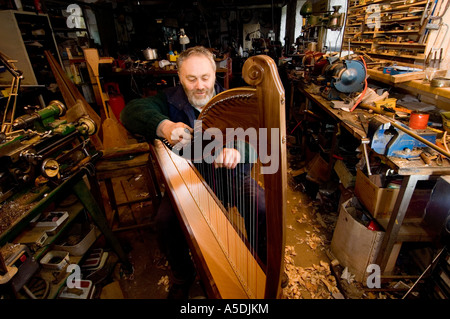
x=441 y=38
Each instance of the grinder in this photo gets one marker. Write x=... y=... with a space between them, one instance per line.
x=343 y=76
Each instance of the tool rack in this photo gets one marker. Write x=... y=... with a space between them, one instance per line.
x=396 y=31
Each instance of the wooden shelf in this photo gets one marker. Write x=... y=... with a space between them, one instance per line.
x=413 y=52
x=392 y=31
x=367 y=4
x=415 y=57
x=403 y=44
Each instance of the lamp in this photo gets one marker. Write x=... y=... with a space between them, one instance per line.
x=184 y=39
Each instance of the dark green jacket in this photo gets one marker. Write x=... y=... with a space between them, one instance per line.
x=142 y=116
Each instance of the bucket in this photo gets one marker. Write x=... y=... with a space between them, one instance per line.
x=418 y=120
x=116 y=100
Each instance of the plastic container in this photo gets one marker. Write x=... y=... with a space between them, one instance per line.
x=116 y=100
x=55 y=259
x=418 y=121
x=83 y=245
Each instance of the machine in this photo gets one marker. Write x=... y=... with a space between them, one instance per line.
x=42 y=147
x=342 y=76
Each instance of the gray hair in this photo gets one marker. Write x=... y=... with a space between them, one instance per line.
x=199 y=51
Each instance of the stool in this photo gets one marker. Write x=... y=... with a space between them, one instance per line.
x=114 y=166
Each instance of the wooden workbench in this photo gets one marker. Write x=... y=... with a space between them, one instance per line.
x=412 y=172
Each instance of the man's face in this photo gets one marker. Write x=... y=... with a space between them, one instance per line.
x=197 y=77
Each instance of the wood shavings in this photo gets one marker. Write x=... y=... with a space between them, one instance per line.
x=320 y=220
x=303 y=219
x=313 y=241
x=315 y=282
x=164 y=281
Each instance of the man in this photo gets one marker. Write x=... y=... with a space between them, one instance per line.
x=170 y=115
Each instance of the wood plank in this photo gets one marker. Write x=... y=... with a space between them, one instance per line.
x=409 y=231
x=76 y=104
x=111 y=165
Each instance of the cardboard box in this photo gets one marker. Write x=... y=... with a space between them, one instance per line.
x=353 y=244
x=377 y=200
x=380 y=201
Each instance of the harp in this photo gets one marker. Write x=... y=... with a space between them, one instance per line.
x=223 y=250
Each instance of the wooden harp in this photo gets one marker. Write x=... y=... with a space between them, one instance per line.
x=226 y=262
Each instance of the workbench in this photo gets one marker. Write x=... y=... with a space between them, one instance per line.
x=411 y=171
x=438 y=96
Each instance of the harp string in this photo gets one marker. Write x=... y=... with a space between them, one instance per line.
x=242 y=214
x=194 y=187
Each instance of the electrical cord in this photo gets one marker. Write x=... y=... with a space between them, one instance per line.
x=365 y=87
x=444 y=141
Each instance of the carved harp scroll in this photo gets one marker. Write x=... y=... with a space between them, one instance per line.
x=228 y=267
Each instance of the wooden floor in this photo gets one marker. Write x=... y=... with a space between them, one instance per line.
x=310 y=222
x=304 y=236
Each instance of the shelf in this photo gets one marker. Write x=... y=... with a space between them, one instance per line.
x=73 y=212
x=415 y=57
x=360 y=42
x=402 y=44
x=406 y=6
x=405 y=19
x=397 y=12
x=391 y=31
x=367 y=4
x=355 y=24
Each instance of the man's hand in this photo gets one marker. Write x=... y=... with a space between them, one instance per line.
x=175 y=132
x=228 y=158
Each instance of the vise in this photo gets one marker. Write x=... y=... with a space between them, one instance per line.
x=387 y=139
